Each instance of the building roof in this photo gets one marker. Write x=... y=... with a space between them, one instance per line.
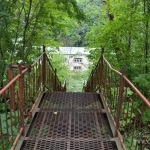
x=73 y=50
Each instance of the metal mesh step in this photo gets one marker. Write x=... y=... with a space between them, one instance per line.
x=69 y=121
x=68 y=124
x=70 y=101
x=68 y=145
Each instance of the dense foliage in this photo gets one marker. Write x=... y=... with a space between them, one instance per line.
x=122 y=27
x=26 y=25
x=58 y=61
x=75 y=36
x=76 y=81
x=123 y=30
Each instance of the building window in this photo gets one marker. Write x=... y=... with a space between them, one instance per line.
x=77 y=68
x=77 y=59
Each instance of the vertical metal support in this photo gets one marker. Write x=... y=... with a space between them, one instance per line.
x=44 y=69
x=101 y=68
x=55 y=80
x=120 y=99
x=20 y=95
x=12 y=91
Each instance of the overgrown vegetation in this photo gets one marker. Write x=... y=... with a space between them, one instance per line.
x=123 y=31
x=26 y=25
x=121 y=27
x=76 y=80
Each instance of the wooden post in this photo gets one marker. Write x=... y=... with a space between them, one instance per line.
x=44 y=69
x=120 y=99
x=20 y=96
x=12 y=91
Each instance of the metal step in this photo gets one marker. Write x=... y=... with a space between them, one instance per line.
x=69 y=121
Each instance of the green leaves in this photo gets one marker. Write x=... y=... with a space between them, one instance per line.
x=8 y=124
x=76 y=81
x=142 y=80
x=146 y=116
x=125 y=38
x=4 y=107
x=58 y=62
x=28 y=24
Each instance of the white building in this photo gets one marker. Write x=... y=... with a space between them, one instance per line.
x=76 y=58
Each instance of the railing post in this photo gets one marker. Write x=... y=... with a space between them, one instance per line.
x=120 y=99
x=44 y=69
x=12 y=91
x=101 y=68
x=20 y=96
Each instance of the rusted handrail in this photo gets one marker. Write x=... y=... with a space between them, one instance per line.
x=114 y=70
x=38 y=59
x=12 y=82
x=126 y=104
x=19 y=95
x=143 y=98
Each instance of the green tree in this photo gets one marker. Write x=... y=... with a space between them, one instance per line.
x=121 y=33
x=58 y=62
x=75 y=35
x=26 y=25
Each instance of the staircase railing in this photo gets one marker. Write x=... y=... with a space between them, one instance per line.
x=18 y=97
x=129 y=109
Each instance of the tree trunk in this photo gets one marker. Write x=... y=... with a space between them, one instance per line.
x=2 y=68
x=147 y=13
x=27 y=18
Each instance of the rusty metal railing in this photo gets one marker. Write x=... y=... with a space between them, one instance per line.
x=129 y=109
x=18 y=97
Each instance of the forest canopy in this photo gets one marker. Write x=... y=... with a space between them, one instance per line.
x=123 y=31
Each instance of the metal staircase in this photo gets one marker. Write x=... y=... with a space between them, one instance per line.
x=69 y=121
x=38 y=113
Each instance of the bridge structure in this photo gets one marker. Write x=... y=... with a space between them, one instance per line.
x=38 y=114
